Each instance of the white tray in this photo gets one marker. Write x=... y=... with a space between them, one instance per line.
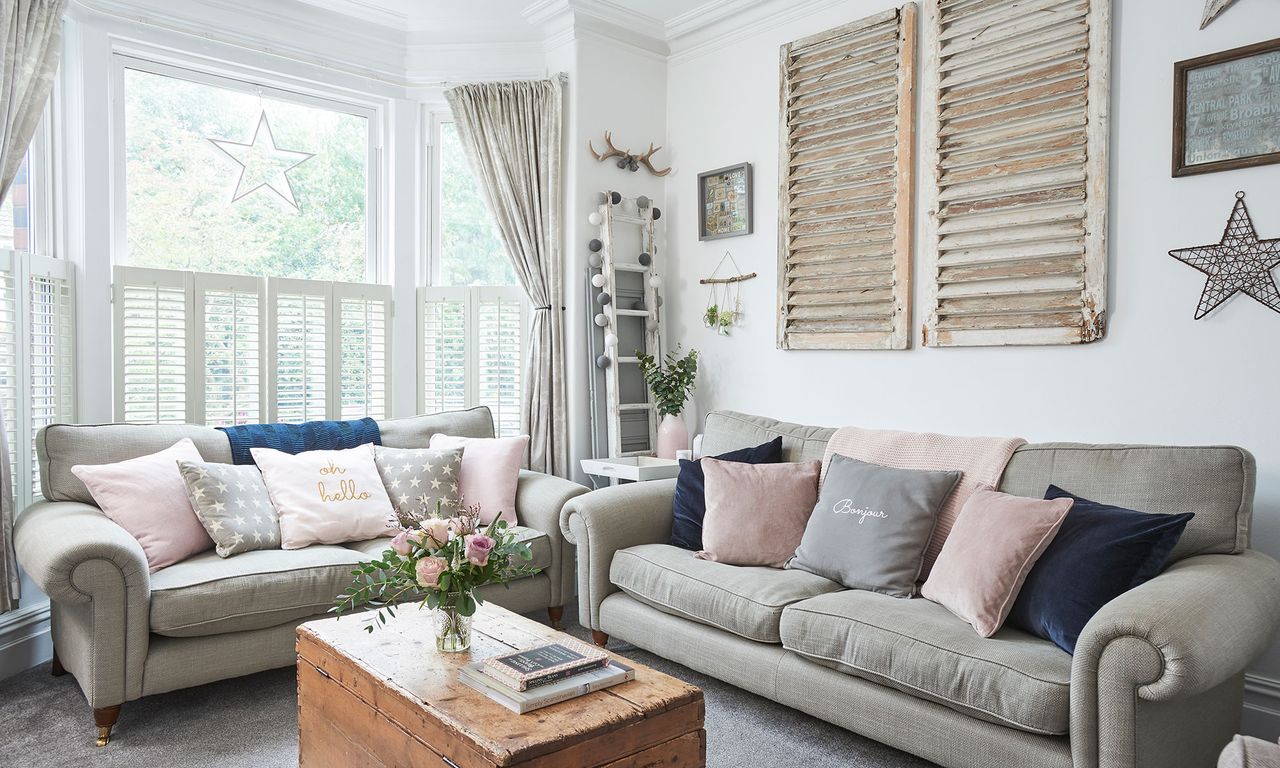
x=635 y=468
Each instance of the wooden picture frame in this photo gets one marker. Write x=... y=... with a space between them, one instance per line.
x=1208 y=105
x=732 y=212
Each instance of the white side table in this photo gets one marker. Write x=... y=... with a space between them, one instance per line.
x=635 y=469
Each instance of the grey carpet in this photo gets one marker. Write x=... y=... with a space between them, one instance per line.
x=252 y=722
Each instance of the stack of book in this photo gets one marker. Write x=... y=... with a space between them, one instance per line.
x=548 y=674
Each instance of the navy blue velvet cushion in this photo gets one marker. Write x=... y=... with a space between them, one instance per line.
x=690 y=504
x=1101 y=551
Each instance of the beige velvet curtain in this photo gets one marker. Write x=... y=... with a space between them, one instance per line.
x=511 y=132
x=31 y=33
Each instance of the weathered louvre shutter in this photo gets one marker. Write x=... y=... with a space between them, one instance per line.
x=500 y=332
x=298 y=387
x=153 y=319
x=230 y=329
x=363 y=319
x=50 y=362
x=1016 y=136
x=442 y=322
x=844 y=250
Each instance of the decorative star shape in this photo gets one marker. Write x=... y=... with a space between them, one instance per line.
x=263 y=164
x=1239 y=263
x=1212 y=10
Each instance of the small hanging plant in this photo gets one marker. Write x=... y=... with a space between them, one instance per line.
x=672 y=383
x=719 y=319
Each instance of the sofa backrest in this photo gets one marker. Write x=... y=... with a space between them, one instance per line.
x=62 y=446
x=1214 y=482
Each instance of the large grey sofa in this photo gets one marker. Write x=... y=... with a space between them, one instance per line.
x=1156 y=679
x=126 y=633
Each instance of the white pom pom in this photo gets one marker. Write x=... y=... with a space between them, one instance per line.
x=651 y=323
x=611 y=339
x=598 y=280
x=595 y=219
x=656 y=281
x=601 y=320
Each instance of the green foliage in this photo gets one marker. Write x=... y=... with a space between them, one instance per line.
x=714 y=317
x=471 y=253
x=672 y=383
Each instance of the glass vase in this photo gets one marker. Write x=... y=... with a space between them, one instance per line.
x=453 y=630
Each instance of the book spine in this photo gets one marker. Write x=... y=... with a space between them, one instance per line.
x=563 y=673
x=535 y=701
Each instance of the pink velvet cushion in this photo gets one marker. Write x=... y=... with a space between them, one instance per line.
x=996 y=540
x=756 y=513
x=490 y=472
x=147 y=497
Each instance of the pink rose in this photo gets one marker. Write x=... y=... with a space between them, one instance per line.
x=429 y=570
x=478 y=549
x=436 y=529
x=400 y=544
x=461 y=525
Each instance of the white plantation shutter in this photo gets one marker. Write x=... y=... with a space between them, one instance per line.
x=299 y=381
x=230 y=326
x=363 y=324
x=50 y=361
x=472 y=344
x=153 y=309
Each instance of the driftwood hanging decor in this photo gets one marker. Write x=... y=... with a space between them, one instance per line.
x=724 y=295
x=1015 y=131
x=845 y=198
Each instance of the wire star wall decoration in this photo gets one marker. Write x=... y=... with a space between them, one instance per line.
x=263 y=164
x=1239 y=263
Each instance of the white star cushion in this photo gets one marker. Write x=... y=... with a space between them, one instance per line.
x=416 y=480
x=219 y=493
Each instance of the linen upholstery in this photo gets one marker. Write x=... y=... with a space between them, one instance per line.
x=746 y=601
x=416 y=431
x=920 y=647
x=731 y=431
x=1250 y=752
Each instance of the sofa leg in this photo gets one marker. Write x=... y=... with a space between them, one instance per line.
x=56 y=667
x=555 y=613
x=599 y=638
x=105 y=718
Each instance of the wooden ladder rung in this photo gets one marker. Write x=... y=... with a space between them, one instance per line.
x=632 y=360
x=635 y=406
x=632 y=312
x=630 y=268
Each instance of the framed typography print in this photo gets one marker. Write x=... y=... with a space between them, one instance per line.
x=1226 y=107
x=724 y=202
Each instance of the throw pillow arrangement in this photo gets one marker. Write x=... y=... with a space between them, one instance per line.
x=490 y=472
x=233 y=505
x=418 y=478
x=689 y=506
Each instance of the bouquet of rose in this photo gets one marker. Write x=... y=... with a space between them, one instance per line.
x=439 y=561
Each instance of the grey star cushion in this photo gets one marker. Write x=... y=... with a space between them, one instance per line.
x=416 y=478
x=232 y=504
x=872 y=524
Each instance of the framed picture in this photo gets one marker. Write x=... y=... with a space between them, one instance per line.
x=1225 y=108
x=724 y=200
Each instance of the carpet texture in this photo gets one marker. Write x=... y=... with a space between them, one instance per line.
x=252 y=722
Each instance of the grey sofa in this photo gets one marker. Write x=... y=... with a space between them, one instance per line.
x=1156 y=680
x=126 y=633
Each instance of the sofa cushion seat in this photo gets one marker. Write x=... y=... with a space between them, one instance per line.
x=539 y=546
x=746 y=601
x=920 y=648
x=210 y=595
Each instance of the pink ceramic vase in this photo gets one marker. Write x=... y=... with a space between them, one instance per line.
x=673 y=436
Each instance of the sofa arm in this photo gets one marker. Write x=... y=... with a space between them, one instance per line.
x=539 y=499
x=1185 y=633
x=96 y=576
x=605 y=521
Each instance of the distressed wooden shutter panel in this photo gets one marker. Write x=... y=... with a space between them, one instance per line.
x=1015 y=99
x=844 y=251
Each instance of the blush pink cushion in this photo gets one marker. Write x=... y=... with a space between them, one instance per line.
x=490 y=472
x=756 y=513
x=147 y=497
x=996 y=540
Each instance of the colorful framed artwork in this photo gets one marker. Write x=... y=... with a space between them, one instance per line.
x=1224 y=110
x=724 y=202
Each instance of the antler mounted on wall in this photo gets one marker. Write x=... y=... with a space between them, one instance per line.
x=626 y=160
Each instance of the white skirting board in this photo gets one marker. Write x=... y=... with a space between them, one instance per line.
x=1261 y=707
x=24 y=639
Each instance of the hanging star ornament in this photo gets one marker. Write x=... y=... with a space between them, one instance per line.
x=263 y=164
x=1239 y=263
x=1212 y=10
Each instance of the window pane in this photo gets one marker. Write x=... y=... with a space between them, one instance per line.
x=229 y=206
x=470 y=251
x=15 y=212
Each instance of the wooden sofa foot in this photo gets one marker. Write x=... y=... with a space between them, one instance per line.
x=599 y=638
x=56 y=668
x=555 y=613
x=105 y=718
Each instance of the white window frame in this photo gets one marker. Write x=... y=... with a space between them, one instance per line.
x=377 y=267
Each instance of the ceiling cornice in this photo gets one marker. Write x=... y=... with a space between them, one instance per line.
x=718 y=23
x=563 y=20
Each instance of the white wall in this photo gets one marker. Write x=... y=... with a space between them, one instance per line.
x=1159 y=376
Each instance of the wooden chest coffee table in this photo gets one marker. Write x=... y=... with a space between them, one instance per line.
x=390 y=699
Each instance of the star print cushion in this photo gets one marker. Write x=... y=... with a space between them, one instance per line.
x=419 y=479
x=326 y=497
x=490 y=472
x=232 y=504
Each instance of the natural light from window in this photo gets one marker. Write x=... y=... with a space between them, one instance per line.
x=470 y=251
x=15 y=213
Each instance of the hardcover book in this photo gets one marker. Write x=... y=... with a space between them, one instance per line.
x=543 y=664
x=520 y=702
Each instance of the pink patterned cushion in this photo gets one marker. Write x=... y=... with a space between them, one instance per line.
x=147 y=497
x=490 y=472
x=996 y=540
x=756 y=513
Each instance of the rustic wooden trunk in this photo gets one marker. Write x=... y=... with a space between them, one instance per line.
x=389 y=699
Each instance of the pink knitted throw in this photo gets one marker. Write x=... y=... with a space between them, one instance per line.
x=981 y=459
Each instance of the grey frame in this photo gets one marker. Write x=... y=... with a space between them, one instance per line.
x=702 y=220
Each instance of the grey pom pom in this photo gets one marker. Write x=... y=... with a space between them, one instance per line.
x=638 y=305
x=603 y=361
x=659 y=301
x=645 y=259
x=657 y=213
x=616 y=197
x=643 y=201
x=604 y=298
x=601 y=197
x=595 y=245
x=595 y=261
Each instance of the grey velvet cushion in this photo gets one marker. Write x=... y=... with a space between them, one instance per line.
x=920 y=648
x=539 y=546
x=746 y=601
x=233 y=505
x=209 y=595
x=871 y=525
x=417 y=479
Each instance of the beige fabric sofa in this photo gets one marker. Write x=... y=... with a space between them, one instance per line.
x=1156 y=680
x=126 y=633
